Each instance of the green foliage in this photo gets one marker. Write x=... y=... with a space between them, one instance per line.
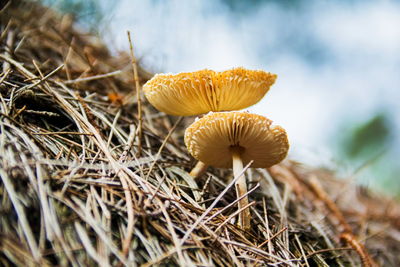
x=388 y=174
x=369 y=139
x=367 y=146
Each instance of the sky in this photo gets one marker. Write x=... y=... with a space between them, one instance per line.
x=331 y=58
x=338 y=62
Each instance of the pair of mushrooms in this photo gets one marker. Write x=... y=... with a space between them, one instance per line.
x=223 y=138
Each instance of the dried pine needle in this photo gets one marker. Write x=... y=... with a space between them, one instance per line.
x=75 y=191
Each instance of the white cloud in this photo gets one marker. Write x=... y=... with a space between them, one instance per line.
x=370 y=28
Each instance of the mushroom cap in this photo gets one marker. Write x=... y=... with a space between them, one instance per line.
x=211 y=139
x=193 y=93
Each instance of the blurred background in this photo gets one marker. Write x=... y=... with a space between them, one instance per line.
x=338 y=66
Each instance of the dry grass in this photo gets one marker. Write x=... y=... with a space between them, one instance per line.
x=78 y=186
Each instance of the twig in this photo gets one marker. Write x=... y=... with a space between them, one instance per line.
x=236 y=212
x=188 y=232
x=137 y=87
x=326 y=250
x=347 y=233
x=322 y=195
x=92 y=78
x=231 y=204
x=122 y=175
x=56 y=133
x=272 y=237
x=351 y=240
x=7 y=53
x=43 y=78
x=162 y=147
x=21 y=215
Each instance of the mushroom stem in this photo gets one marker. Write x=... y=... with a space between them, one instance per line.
x=198 y=170
x=241 y=188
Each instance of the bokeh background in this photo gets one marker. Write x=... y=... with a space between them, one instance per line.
x=338 y=66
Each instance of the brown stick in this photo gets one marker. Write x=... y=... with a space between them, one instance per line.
x=139 y=102
x=322 y=195
x=347 y=233
x=351 y=240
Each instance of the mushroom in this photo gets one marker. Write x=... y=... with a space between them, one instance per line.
x=231 y=139
x=194 y=93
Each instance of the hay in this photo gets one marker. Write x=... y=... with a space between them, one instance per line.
x=75 y=190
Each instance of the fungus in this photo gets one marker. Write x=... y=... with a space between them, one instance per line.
x=231 y=139
x=194 y=93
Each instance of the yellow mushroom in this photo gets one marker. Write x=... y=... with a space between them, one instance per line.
x=199 y=92
x=231 y=139
x=194 y=93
